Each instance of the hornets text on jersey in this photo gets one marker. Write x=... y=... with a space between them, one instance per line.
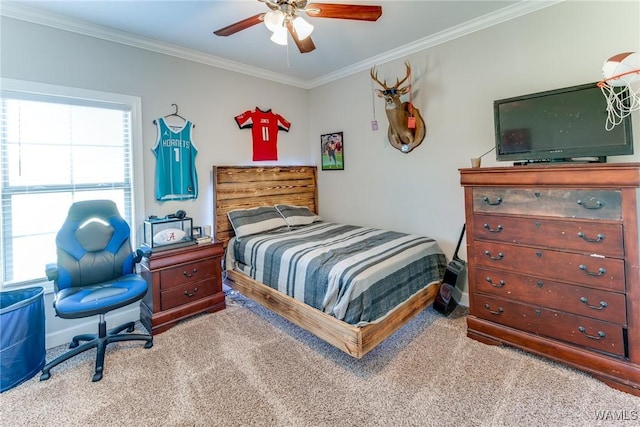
x=176 y=175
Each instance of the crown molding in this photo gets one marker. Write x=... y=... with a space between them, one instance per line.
x=29 y=14
x=25 y=13
x=506 y=14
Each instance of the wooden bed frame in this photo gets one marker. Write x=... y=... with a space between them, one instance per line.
x=241 y=187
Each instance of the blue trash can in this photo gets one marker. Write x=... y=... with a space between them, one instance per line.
x=22 y=333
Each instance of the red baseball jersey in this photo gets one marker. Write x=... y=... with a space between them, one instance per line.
x=264 y=131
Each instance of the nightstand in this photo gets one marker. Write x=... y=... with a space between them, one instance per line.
x=182 y=282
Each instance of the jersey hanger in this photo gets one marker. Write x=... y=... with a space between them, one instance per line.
x=174 y=114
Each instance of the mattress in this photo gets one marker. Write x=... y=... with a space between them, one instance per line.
x=356 y=274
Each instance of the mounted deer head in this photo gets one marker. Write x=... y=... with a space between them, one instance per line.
x=406 y=127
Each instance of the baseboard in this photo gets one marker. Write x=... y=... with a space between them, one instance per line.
x=67 y=329
x=461 y=297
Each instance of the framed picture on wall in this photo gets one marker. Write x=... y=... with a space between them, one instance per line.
x=332 y=151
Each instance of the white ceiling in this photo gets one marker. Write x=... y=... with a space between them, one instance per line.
x=185 y=29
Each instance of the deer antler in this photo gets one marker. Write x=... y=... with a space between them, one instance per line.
x=399 y=82
x=374 y=76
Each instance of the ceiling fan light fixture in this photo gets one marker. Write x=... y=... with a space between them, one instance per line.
x=279 y=36
x=302 y=27
x=274 y=20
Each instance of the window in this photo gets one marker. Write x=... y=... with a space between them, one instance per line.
x=57 y=146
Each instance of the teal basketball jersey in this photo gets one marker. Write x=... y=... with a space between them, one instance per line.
x=176 y=175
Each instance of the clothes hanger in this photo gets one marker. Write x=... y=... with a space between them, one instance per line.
x=174 y=114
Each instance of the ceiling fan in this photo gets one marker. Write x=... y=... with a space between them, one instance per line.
x=284 y=18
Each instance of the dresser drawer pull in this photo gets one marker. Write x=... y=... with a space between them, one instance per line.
x=597 y=205
x=600 y=272
x=495 y=285
x=497 y=313
x=492 y=203
x=497 y=258
x=602 y=305
x=599 y=238
x=187 y=274
x=493 y=230
x=583 y=330
x=190 y=294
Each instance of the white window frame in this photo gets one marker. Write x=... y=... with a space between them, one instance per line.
x=135 y=103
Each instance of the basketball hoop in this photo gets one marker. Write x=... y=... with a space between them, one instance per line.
x=621 y=87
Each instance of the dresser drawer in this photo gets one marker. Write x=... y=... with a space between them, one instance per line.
x=189 y=273
x=598 y=304
x=590 y=237
x=180 y=295
x=580 y=269
x=588 y=204
x=582 y=331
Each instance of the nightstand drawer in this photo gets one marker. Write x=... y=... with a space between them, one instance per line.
x=187 y=293
x=580 y=269
x=598 y=304
x=590 y=237
x=569 y=203
x=189 y=273
x=583 y=331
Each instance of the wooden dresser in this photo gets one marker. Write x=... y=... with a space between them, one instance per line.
x=553 y=264
x=182 y=282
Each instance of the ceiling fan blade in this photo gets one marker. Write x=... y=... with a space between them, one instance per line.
x=344 y=11
x=304 y=46
x=240 y=25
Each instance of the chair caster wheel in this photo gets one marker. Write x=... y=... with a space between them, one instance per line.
x=130 y=328
x=97 y=377
x=45 y=376
x=149 y=344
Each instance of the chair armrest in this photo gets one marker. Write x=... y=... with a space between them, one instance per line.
x=142 y=252
x=51 y=271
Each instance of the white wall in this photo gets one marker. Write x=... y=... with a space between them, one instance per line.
x=455 y=85
x=208 y=96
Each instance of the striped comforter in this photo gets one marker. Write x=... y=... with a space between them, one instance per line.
x=353 y=273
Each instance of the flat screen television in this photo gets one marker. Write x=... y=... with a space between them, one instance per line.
x=559 y=125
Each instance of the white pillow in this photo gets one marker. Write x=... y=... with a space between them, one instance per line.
x=297 y=215
x=256 y=220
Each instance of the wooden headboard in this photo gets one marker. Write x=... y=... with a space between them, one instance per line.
x=242 y=187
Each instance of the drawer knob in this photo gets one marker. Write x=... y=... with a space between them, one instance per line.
x=495 y=202
x=583 y=331
x=500 y=284
x=600 y=271
x=493 y=230
x=190 y=294
x=187 y=274
x=591 y=204
x=603 y=304
x=497 y=313
x=497 y=257
x=599 y=238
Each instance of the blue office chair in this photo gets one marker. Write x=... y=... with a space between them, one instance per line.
x=94 y=274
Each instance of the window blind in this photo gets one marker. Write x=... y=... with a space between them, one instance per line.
x=56 y=150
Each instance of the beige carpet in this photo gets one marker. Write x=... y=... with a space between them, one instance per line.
x=247 y=366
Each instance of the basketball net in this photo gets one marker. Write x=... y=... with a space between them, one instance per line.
x=622 y=92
